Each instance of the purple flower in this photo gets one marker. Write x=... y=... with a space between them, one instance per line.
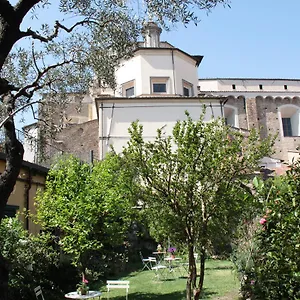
x=172 y=250
x=252 y=282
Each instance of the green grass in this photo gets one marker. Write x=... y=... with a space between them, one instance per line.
x=219 y=283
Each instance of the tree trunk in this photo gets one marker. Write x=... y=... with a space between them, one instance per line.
x=14 y=157
x=201 y=278
x=192 y=275
x=3 y=278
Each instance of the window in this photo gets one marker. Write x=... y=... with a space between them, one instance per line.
x=231 y=116
x=233 y=87
x=260 y=86
x=159 y=85
x=290 y=120
x=187 y=89
x=128 y=89
x=287 y=126
x=285 y=87
x=129 y=92
x=11 y=210
x=159 y=88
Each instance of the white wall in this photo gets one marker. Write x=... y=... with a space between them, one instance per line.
x=114 y=122
x=248 y=85
x=30 y=145
x=149 y=63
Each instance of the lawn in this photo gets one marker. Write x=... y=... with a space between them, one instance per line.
x=220 y=283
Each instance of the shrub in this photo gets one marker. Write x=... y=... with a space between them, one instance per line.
x=32 y=261
x=272 y=270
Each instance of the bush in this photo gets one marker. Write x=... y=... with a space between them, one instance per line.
x=32 y=260
x=272 y=270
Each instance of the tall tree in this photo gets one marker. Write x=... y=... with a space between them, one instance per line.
x=84 y=39
x=89 y=208
x=191 y=180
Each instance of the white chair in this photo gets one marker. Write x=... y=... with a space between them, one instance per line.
x=117 y=284
x=152 y=261
x=146 y=262
x=160 y=271
x=39 y=293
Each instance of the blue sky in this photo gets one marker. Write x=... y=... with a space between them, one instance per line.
x=253 y=38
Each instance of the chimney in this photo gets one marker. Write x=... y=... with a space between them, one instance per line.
x=151 y=33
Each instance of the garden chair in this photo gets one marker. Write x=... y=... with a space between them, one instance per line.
x=160 y=271
x=147 y=264
x=39 y=293
x=117 y=284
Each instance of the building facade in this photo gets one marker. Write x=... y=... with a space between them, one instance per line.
x=31 y=178
x=158 y=84
x=271 y=105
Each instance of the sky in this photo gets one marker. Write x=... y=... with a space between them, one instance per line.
x=253 y=38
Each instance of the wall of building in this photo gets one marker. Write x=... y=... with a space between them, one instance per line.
x=31 y=178
x=116 y=116
x=263 y=113
x=250 y=85
x=147 y=63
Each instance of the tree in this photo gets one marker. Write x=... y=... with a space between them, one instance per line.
x=87 y=208
x=191 y=181
x=87 y=39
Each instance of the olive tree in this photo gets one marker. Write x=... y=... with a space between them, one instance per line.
x=191 y=180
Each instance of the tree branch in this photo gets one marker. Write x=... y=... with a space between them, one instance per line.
x=16 y=111
x=34 y=84
x=58 y=26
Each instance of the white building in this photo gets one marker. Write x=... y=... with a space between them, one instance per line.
x=156 y=86
x=160 y=82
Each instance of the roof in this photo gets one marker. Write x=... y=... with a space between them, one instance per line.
x=258 y=79
x=29 y=165
x=156 y=98
x=196 y=58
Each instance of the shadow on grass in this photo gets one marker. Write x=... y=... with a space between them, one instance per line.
x=171 y=296
x=219 y=268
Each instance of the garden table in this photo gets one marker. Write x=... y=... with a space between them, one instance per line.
x=160 y=256
x=90 y=295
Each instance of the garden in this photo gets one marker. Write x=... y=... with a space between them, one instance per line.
x=227 y=233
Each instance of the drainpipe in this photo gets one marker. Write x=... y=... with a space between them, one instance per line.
x=27 y=187
x=173 y=68
x=101 y=122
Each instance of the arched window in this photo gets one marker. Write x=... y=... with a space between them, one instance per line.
x=289 y=116
x=231 y=116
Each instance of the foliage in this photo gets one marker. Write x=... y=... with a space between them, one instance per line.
x=274 y=268
x=192 y=182
x=89 y=207
x=32 y=259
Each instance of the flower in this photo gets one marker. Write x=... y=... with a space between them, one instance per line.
x=262 y=221
x=82 y=287
x=172 y=250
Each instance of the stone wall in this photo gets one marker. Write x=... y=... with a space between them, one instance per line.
x=262 y=113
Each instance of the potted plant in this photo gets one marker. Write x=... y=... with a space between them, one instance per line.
x=172 y=251
x=82 y=287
